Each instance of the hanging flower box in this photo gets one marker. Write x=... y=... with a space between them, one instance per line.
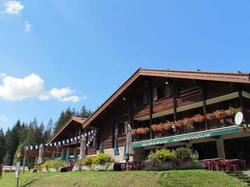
x=219 y=114
x=209 y=117
x=187 y=122
x=158 y=127
x=199 y=118
x=167 y=125
x=178 y=123
x=140 y=131
x=228 y=113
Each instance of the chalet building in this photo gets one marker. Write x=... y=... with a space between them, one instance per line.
x=72 y=128
x=169 y=109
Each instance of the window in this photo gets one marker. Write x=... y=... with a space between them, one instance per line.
x=161 y=92
x=168 y=91
x=139 y=100
x=121 y=129
x=145 y=98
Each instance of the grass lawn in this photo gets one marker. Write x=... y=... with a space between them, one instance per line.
x=175 y=178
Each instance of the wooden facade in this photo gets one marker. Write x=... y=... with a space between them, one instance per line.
x=151 y=97
x=157 y=96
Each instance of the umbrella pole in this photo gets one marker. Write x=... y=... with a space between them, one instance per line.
x=127 y=160
x=24 y=159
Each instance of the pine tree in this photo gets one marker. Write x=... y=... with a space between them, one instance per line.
x=12 y=142
x=2 y=150
x=84 y=113
x=64 y=117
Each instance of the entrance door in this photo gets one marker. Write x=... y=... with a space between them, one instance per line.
x=206 y=150
x=238 y=149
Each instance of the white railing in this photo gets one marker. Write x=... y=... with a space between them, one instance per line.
x=13 y=168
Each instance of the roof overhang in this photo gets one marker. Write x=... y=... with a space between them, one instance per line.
x=193 y=75
x=73 y=119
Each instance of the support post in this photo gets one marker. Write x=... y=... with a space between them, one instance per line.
x=220 y=148
x=56 y=151
x=204 y=103
x=242 y=108
x=174 y=93
x=82 y=147
x=150 y=107
x=130 y=112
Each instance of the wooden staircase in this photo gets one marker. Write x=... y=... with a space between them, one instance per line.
x=241 y=175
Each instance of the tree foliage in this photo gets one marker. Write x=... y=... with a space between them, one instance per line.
x=2 y=148
x=31 y=133
x=68 y=113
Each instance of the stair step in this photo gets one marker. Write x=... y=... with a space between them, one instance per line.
x=243 y=177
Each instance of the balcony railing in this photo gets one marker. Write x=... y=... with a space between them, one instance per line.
x=195 y=127
x=217 y=119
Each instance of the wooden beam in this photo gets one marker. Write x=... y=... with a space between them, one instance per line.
x=130 y=111
x=242 y=108
x=115 y=130
x=150 y=86
x=174 y=93
x=204 y=103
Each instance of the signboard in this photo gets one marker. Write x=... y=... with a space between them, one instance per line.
x=188 y=136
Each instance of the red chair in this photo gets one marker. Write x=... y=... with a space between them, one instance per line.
x=233 y=165
x=230 y=165
x=242 y=164
x=211 y=165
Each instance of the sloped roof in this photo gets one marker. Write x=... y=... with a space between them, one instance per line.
x=67 y=124
x=195 y=75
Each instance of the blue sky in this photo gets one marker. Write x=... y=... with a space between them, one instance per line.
x=74 y=53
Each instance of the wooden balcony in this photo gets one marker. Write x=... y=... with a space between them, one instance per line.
x=195 y=127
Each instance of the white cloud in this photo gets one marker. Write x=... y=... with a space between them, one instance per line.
x=32 y=86
x=13 y=7
x=3 y=118
x=64 y=94
x=27 y=26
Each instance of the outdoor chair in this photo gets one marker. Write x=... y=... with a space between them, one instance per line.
x=212 y=164
x=242 y=165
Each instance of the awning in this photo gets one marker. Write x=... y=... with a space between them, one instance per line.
x=189 y=136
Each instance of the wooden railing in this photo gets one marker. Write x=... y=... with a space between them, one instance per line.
x=195 y=127
x=185 y=97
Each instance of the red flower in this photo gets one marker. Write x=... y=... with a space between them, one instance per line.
x=198 y=118
x=208 y=116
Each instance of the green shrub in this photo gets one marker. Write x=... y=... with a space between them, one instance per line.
x=162 y=156
x=88 y=160
x=56 y=164
x=183 y=153
x=195 y=156
x=45 y=165
x=102 y=158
